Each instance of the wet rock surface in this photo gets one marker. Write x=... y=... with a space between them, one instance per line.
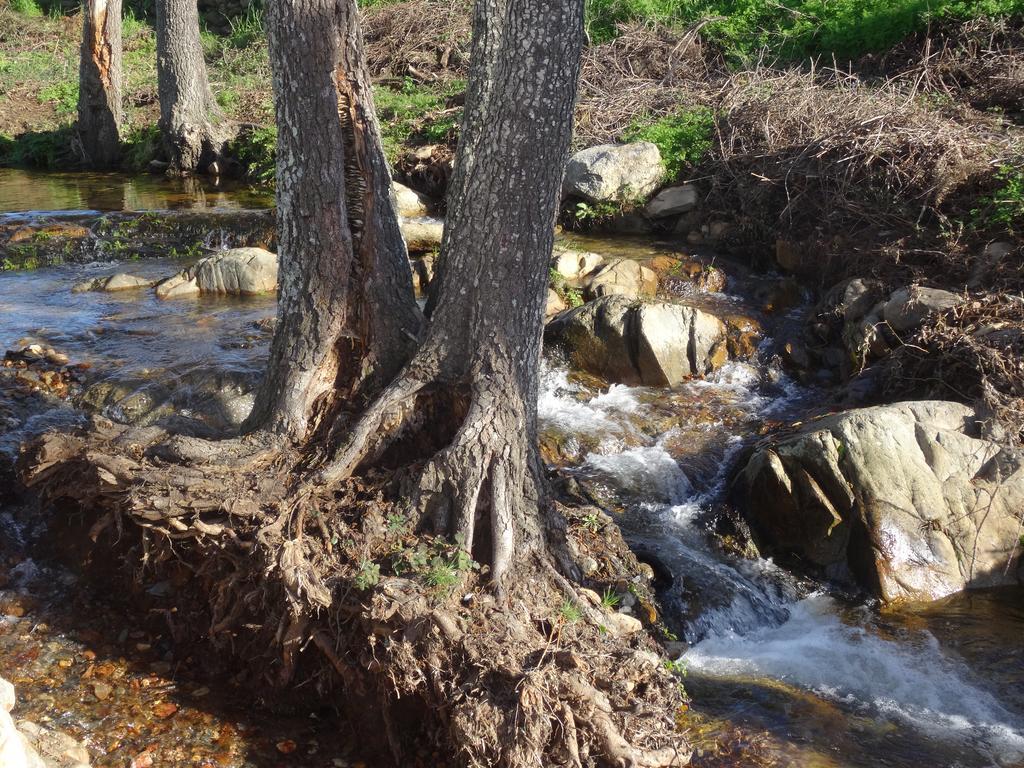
x=653 y=343
x=909 y=499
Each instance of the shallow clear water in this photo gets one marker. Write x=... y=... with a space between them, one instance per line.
x=780 y=674
x=24 y=190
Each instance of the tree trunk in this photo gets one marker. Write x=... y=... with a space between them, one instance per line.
x=347 y=314
x=99 y=83
x=486 y=304
x=191 y=123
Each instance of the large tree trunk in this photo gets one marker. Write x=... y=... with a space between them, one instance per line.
x=347 y=315
x=191 y=123
x=99 y=83
x=487 y=301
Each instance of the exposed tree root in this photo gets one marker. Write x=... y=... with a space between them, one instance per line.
x=340 y=591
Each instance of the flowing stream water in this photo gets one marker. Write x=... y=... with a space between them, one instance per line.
x=781 y=671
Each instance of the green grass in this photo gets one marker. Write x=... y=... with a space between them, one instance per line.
x=683 y=138
x=28 y=8
x=38 y=149
x=1004 y=208
x=63 y=96
x=404 y=115
x=794 y=29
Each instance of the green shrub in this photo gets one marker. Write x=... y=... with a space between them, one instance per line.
x=683 y=138
x=39 y=149
x=26 y=7
x=141 y=145
x=256 y=152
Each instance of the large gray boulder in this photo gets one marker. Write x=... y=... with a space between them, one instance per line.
x=909 y=500
x=614 y=172
x=234 y=272
x=909 y=308
x=653 y=343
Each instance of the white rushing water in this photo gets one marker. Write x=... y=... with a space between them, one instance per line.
x=753 y=621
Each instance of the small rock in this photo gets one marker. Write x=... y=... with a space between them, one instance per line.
x=573 y=264
x=671 y=201
x=624 y=277
x=410 y=203
x=102 y=691
x=422 y=234
x=621 y=624
x=554 y=305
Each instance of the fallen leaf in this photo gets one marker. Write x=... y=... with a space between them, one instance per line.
x=286 y=747
x=165 y=708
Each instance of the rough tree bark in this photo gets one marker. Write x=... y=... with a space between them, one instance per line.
x=99 y=83
x=487 y=300
x=347 y=313
x=191 y=124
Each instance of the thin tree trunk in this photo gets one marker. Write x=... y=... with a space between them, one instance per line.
x=191 y=123
x=347 y=316
x=99 y=83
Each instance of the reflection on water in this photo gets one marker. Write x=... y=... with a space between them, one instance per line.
x=29 y=190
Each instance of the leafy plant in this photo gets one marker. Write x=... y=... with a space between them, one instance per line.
x=609 y=599
x=256 y=152
x=26 y=8
x=683 y=138
x=367 y=576
x=63 y=96
x=141 y=145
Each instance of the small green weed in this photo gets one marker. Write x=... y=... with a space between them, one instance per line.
x=28 y=8
x=256 y=152
x=569 y=612
x=367 y=576
x=609 y=599
x=1004 y=208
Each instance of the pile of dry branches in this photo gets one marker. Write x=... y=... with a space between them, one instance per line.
x=427 y=41
x=974 y=354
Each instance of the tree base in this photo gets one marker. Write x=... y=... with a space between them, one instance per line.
x=337 y=591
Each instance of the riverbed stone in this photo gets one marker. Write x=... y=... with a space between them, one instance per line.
x=909 y=500
x=422 y=235
x=909 y=308
x=572 y=264
x=15 y=751
x=409 y=202
x=614 y=172
x=55 y=748
x=654 y=343
x=237 y=272
x=672 y=201
x=120 y=281
x=177 y=286
x=623 y=277
x=554 y=304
